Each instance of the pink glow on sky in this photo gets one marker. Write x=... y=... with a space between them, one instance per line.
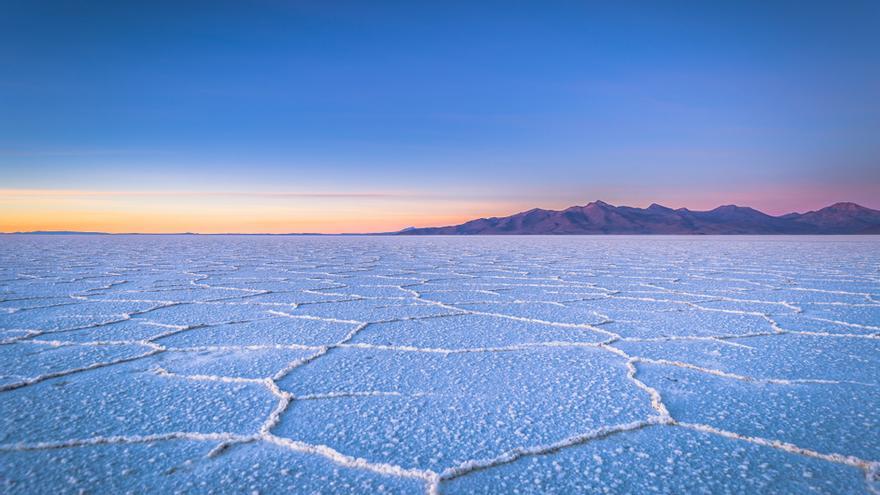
x=338 y=212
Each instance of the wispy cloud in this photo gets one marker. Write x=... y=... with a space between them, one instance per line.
x=512 y=197
x=37 y=193
x=28 y=153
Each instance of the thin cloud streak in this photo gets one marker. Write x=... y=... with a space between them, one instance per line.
x=512 y=197
x=24 y=153
x=270 y=194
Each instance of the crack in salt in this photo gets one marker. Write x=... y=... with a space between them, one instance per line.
x=484 y=276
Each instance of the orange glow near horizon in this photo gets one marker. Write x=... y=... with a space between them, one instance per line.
x=234 y=212
x=210 y=212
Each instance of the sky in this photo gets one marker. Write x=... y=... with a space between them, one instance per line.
x=334 y=116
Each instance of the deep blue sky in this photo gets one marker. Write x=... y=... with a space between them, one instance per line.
x=471 y=107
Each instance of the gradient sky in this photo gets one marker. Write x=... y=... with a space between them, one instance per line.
x=326 y=116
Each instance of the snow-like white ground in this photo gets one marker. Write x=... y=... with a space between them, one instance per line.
x=439 y=365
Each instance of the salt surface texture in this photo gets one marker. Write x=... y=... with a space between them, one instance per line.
x=439 y=365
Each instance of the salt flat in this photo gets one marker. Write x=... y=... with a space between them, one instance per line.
x=229 y=364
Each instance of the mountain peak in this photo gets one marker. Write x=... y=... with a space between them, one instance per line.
x=845 y=206
x=731 y=208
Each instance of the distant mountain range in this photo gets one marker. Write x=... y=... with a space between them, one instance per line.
x=599 y=217
x=60 y=232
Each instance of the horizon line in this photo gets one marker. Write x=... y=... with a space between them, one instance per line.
x=396 y=232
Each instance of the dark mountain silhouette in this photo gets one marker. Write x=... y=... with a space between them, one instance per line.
x=599 y=217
